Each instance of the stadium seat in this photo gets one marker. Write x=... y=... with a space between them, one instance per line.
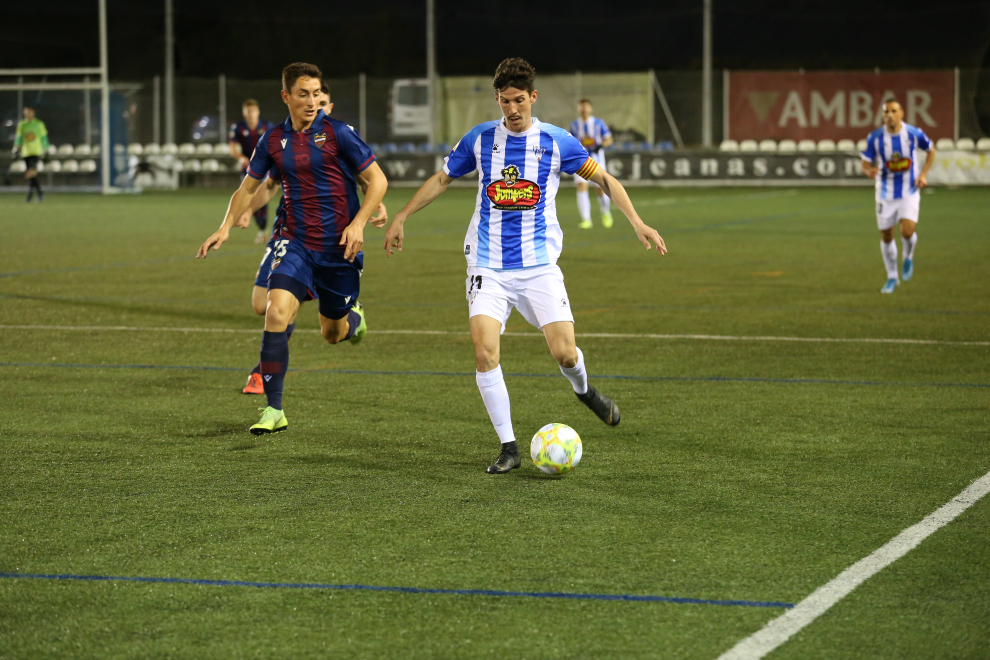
x=88 y=165
x=845 y=145
x=861 y=145
x=767 y=145
x=66 y=150
x=52 y=150
x=152 y=149
x=728 y=145
x=187 y=149
x=178 y=165
x=41 y=166
x=211 y=165
x=946 y=144
x=83 y=150
x=646 y=146
x=627 y=146
x=221 y=149
x=826 y=146
x=983 y=144
x=965 y=144
x=70 y=165
x=17 y=166
x=54 y=166
x=135 y=149
x=169 y=149
x=375 y=147
x=424 y=148
x=192 y=165
x=749 y=146
x=390 y=147
x=204 y=149
x=806 y=145
x=94 y=150
x=407 y=148
x=667 y=145
x=119 y=149
x=443 y=148
x=786 y=147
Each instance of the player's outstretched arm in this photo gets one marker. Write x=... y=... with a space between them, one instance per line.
x=353 y=235
x=617 y=193
x=929 y=159
x=869 y=169
x=264 y=194
x=429 y=191
x=239 y=203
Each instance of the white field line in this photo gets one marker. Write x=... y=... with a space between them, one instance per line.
x=602 y=335
x=788 y=624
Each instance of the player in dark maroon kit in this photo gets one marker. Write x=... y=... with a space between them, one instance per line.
x=244 y=136
x=319 y=237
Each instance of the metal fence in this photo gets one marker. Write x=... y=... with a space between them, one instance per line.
x=205 y=108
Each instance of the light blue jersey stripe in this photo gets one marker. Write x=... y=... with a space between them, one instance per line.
x=540 y=230
x=487 y=140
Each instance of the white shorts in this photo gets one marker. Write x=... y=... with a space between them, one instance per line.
x=600 y=159
x=538 y=293
x=891 y=211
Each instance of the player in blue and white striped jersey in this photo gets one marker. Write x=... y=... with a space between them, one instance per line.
x=894 y=148
x=514 y=240
x=594 y=135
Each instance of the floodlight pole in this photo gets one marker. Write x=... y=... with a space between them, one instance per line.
x=169 y=74
x=222 y=109
x=431 y=65
x=106 y=152
x=363 y=105
x=706 y=77
x=87 y=114
x=156 y=115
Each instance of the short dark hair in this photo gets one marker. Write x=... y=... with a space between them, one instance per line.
x=325 y=89
x=297 y=70
x=514 y=72
x=584 y=101
x=249 y=102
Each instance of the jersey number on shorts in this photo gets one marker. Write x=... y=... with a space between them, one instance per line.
x=280 y=248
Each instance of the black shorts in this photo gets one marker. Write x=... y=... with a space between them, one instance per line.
x=31 y=162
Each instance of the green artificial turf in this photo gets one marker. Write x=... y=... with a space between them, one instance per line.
x=742 y=470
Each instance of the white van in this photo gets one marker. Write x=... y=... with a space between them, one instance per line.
x=410 y=104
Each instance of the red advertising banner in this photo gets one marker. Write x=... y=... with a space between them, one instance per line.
x=835 y=105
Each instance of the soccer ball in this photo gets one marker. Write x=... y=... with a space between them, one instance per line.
x=556 y=448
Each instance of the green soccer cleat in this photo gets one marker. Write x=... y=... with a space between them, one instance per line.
x=607 y=220
x=272 y=421
x=361 y=329
x=585 y=224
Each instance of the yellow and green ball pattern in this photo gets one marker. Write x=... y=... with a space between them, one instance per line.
x=556 y=448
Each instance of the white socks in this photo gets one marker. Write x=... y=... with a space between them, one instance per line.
x=577 y=375
x=889 y=252
x=604 y=203
x=584 y=205
x=496 y=398
x=908 y=245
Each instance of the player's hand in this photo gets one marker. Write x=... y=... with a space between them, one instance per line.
x=872 y=172
x=647 y=234
x=243 y=162
x=393 y=237
x=353 y=238
x=381 y=216
x=215 y=241
x=922 y=181
x=244 y=221
x=13 y=152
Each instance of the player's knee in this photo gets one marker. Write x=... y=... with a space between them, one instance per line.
x=331 y=333
x=907 y=232
x=486 y=357
x=566 y=356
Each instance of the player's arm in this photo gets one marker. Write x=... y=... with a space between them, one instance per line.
x=18 y=139
x=869 y=155
x=608 y=141
x=617 y=193
x=261 y=197
x=429 y=191
x=869 y=169
x=381 y=214
x=240 y=201
x=353 y=235
x=929 y=159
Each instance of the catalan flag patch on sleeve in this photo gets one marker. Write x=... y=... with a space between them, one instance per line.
x=588 y=169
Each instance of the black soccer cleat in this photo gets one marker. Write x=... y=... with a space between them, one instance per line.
x=507 y=460
x=601 y=405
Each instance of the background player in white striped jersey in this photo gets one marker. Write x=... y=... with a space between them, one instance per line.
x=894 y=148
x=594 y=135
x=514 y=240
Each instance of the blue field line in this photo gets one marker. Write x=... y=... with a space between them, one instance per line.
x=406 y=590
x=371 y=372
x=123 y=264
